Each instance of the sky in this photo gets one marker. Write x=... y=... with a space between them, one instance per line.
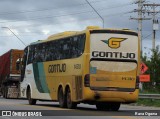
x=33 y=20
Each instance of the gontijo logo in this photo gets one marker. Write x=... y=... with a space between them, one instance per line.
x=114 y=42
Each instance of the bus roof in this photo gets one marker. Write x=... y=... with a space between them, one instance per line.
x=73 y=33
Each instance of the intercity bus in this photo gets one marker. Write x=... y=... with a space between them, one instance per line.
x=94 y=66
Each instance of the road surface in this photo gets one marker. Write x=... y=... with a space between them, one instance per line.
x=51 y=110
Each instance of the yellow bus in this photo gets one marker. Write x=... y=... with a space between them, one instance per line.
x=95 y=66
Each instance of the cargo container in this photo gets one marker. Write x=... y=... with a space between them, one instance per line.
x=9 y=75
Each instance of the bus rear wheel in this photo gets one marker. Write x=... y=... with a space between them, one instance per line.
x=30 y=100
x=108 y=106
x=102 y=106
x=70 y=103
x=61 y=98
x=115 y=106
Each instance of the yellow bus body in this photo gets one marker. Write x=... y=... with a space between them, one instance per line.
x=110 y=80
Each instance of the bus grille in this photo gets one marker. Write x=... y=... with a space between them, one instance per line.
x=78 y=85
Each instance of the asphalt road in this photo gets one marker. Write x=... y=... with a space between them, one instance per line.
x=52 y=110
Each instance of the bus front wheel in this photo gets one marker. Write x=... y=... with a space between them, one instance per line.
x=70 y=104
x=30 y=100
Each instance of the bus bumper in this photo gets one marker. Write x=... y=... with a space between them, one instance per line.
x=111 y=96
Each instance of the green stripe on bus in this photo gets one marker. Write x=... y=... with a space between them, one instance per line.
x=36 y=77
x=42 y=78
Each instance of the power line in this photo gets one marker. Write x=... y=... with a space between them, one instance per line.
x=68 y=21
x=146 y=36
x=39 y=25
x=45 y=9
x=23 y=35
x=50 y=17
x=140 y=19
x=96 y=12
x=155 y=21
x=58 y=15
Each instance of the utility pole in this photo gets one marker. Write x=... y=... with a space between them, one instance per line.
x=155 y=21
x=139 y=19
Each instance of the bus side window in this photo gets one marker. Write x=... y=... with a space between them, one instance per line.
x=24 y=63
x=38 y=53
x=76 y=46
x=73 y=47
x=30 y=57
x=47 y=55
x=49 y=51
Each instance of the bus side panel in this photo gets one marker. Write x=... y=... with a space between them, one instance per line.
x=29 y=80
x=64 y=73
x=40 y=77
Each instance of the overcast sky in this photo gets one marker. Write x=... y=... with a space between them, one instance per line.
x=33 y=20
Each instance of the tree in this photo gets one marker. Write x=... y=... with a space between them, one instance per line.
x=153 y=64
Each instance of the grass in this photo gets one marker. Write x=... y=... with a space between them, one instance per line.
x=153 y=91
x=149 y=102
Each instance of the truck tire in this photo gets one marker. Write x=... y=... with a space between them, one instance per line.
x=30 y=100
x=3 y=93
x=6 y=93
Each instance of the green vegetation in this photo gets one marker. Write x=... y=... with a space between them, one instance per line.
x=149 y=91
x=152 y=87
x=153 y=64
x=148 y=102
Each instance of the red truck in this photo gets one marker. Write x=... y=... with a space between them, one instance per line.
x=9 y=76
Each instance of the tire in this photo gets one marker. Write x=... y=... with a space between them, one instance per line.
x=70 y=104
x=102 y=107
x=6 y=93
x=61 y=98
x=108 y=106
x=115 y=106
x=30 y=100
x=3 y=93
